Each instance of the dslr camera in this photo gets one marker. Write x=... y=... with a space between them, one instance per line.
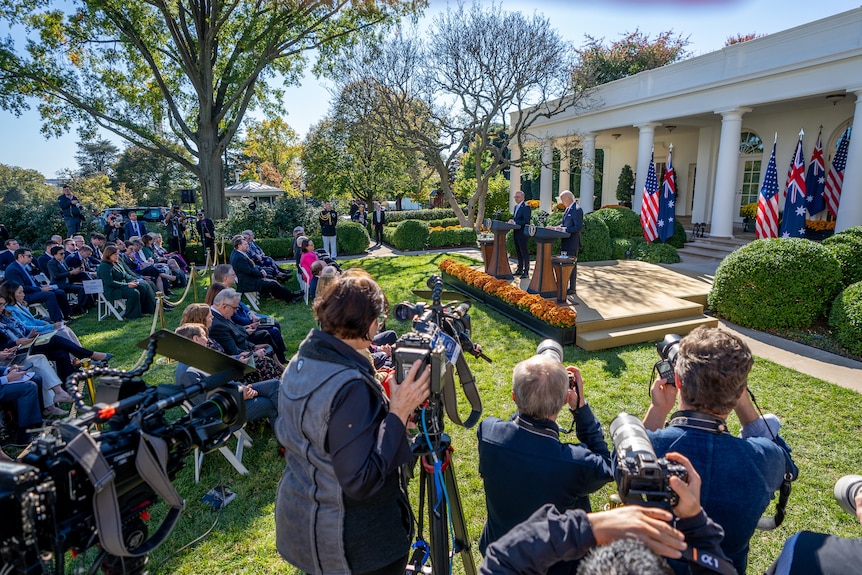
x=642 y=478
x=846 y=489
x=668 y=351
x=553 y=349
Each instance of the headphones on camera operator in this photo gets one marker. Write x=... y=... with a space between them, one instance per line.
x=668 y=350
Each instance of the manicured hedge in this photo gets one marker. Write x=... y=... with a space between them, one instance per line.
x=351 y=238
x=410 y=235
x=780 y=282
x=452 y=237
x=424 y=215
x=444 y=223
x=621 y=222
x=679 y=236
x=847 y=249
x=595 y=239
x=655 y=253
x=846 y=318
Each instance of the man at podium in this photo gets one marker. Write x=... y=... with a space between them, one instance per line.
x=573 y=222
x=521 y=215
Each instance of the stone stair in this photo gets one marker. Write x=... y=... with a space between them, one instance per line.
x=710 y=249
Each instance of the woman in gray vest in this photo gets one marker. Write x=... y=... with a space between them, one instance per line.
x=341 y=506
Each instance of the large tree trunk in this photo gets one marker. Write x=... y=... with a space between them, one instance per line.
x=211 y=177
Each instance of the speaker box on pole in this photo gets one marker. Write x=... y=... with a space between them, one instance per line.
x=187 y=196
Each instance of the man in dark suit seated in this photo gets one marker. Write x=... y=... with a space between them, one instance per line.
x=63 y=277
x=42 y=261
x=54 y=299
x=7 y=256
x=133 y=227
x=261 y=398
x=250 y=278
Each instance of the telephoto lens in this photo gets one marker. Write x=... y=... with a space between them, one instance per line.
x=845 y=492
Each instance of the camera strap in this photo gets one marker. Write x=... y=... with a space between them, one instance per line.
x=468 y=384
x=696 y=420
x=708 y=561
x=152 y=454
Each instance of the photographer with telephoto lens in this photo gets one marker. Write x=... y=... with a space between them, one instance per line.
x=341 y=505
x=809 y=553
x=522 y=461
x=740 y=474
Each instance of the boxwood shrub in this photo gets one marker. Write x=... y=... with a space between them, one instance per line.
x=351 y=238
x=424 y=215
x=847 y=249
x=854 y=231
x=655 y=253
x=621 y=222
x=410 y=235
x=444 y=223
x=621 y=248
x=452 y=237
x=595 y=239
x=679 y=237
x=779 y=282
x=845 y=318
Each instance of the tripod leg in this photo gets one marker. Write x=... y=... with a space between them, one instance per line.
x=438 y=527
x=459 y=525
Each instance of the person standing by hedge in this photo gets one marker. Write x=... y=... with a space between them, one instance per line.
x=378 y=220
x=328 y=220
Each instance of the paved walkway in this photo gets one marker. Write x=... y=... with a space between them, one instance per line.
x=802 y=358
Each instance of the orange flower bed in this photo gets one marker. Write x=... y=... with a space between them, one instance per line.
x=819 y=225
x=533 y=203
x=541 y=308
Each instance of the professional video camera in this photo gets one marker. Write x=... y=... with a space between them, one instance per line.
x=81 y=487
x=440 y=337
x=668 y=350
x=846 y=489
x=642 y=478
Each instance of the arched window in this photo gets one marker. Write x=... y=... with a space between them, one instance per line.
x=750 y=143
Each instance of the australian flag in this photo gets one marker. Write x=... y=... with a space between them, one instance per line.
x=667 y=201
x=815 y=181
x=793 y=221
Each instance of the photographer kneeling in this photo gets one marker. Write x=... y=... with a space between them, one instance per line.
x=341 y=505
x=740 y=475
x=522 y=461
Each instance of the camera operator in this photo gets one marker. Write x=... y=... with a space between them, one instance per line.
x=341 y=505
x=809 y=553
x=741 y=474
x=626 y=539
x=522 y=461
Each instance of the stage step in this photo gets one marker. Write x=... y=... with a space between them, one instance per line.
x=672 y=309
x=639 y=333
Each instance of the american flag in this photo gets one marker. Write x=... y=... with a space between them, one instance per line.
x=767 y=203
x=793 y=221
x=815 y=181
x=835 y=179
x=649 y=207
x=667 y=200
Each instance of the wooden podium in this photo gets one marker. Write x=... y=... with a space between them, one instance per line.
x=499 y=265
x=543 y=282
x=487 y=247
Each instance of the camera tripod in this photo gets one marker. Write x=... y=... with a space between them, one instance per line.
x=437 y=482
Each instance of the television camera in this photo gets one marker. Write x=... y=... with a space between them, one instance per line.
x=440 y=338
x=88 y=481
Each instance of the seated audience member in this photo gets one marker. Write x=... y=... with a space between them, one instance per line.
x=56 y=349
x=63 y=277
x=120 y=284
x=160 y=252
x=146 y=268
x=327 y=277
x=17 y=387
x=627 y=540
x=266 y=367
x=308 y=257
x=166 y=265
x=97 y=242
x=42 y=261
x=17 y=306
x=250 y=278
x=53 y=298
x=316 y=268
x=223 y=278
x=261 y=398
x=44 y=376
x=7 y=256
x=298 y=236
x=711 y=375
x=262 y=260
x=522 y=461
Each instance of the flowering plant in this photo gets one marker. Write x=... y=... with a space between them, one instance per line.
x=533 y=204
x=540 y=218
x=539 y=307
x=819 y=225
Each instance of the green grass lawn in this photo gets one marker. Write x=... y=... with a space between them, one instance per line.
x=821 y=422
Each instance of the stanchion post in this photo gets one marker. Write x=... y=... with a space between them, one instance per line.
x=193 y=274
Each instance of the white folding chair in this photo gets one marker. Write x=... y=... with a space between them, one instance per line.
x=39 y=311
x=104 y=307
x=304 y=283
x=253 y=298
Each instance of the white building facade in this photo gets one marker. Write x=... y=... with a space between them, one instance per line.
x=721 y=111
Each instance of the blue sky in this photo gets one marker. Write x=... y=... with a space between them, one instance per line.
x=708 y=23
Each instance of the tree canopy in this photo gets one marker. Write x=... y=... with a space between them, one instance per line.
x=633 y=53
x=174 y=78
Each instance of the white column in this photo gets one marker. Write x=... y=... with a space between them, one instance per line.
x=723 y=200
x=705 y=143
x=514 y=173
x=850 y=206
x=588 y=171
x=565 y=170
x=546 y=188
x=646 y=138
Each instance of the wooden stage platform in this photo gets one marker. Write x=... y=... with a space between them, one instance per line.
x=623 y=302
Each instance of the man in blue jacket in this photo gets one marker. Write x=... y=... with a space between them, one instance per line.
x=573 y=223
x=522 y=461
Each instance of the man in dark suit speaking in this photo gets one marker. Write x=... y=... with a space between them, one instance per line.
x=521 y=215
x=573 y=222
